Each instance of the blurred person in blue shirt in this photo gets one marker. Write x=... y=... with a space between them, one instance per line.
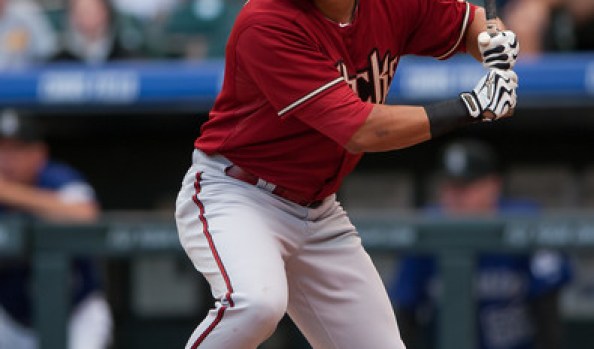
x=516 y=294
x=34 y=187
x=26 y=36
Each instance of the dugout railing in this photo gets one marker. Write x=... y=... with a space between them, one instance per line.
x=50 y=247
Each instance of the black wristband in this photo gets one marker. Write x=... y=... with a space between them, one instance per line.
x=447 y=115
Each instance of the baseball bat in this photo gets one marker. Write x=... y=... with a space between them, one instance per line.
x=491 y=14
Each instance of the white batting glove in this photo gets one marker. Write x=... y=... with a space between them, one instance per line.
x=500 y=51
x=494 y=97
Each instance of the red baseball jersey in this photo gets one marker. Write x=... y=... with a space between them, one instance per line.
x=298 y=85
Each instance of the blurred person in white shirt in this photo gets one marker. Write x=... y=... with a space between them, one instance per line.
x=146 y=9
x=26 y=36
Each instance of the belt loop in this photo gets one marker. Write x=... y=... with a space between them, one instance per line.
x=265 y=185
x=238 y=173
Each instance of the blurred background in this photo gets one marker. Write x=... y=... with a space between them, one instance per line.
x=120 y=88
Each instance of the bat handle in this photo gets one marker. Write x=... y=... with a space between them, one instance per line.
x=492 y=27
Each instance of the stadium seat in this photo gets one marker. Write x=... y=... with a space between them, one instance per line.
x=206 y=20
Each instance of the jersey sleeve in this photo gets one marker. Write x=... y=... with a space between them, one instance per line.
x=299 y=80
x=438 y=27
x=68 y=183
x=76 y=193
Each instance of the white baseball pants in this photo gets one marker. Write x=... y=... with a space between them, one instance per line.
x=264 y=256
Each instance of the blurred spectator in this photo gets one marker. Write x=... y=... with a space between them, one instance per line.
x=516 y=294
x=90 y=34
x=25 y=34
x=551 y=25
x=33 y=186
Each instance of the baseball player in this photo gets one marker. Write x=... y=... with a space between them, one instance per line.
x=516 y=294
x=302 y=100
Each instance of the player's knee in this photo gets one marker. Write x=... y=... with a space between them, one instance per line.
x=263 y=311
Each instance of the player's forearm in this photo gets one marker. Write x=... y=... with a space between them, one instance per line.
x=395 y=127
x=389 y=128
x=45 y=204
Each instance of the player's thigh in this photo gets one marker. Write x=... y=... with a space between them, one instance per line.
x=229 y=238
x=336 y=295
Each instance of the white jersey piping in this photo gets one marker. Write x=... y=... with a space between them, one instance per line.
x=309 y=96
x=464 y=25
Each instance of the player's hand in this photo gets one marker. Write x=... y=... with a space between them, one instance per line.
x=500 y=51
x=494 y=97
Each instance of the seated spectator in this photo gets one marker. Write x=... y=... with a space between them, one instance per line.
x=516 y=294
x=36 y=188
x=26 y=37
x=90 y=34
